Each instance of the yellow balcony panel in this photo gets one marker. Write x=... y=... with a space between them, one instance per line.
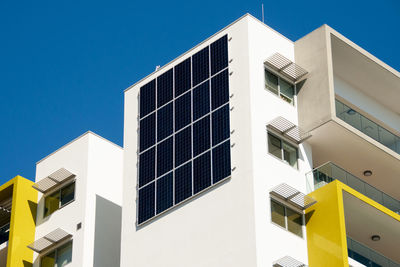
x=19 y=198
x=342 y=212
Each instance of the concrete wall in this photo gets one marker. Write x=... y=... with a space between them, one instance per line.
x=315 y=97
x=216 y=228
x=268 y=171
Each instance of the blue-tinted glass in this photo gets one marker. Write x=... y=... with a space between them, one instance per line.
x=201 y=135
x=183 y=182
x=182 y=111
x=201 y=100
x=221 y=161
x=219 y=54
x=165 y=121
x=147 y=131
x=202 y=172
x=182 y=77
x=164 y=156
x=146 y=203
x=164 y=192
x=147 y=166
x=183 y=146
x=147 y=98
x=201 y=66
x=220 y=89
x=220 y=125
x=165 y=88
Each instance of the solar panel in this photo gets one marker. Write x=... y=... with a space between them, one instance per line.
x=147 y=166
x=183 y=80
x=184 y=131
x=201 y=66
x=201 y=135
x=220 y=89
x=183 y=111
x=146 y=203
x=165 y=122
x=220 y=125
x=183 y=146
x=201 y=100
x=165 y=90
x=165 y=156
x=147 y=98
x=202 y=172
x=147 y=132
x=219 y=55
x=165 y=190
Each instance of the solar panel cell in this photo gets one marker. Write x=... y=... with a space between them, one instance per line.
x=147 y=132
x=202 y=172
x=183 y=182
x=201 y=61
x=146 y=203
x=220 y=125
x=147 y=98
x=147 y=164
x=183 y=146
x=220 y=89
x=183 y=112
x=165 y=156
x=165 y=121
x=221 y=161
x=164 y=192
x=219 y=54
x=201 y=136
x=183 y=80
x=165 y=88
x=201 y=100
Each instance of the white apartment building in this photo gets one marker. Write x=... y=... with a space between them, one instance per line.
x=78 y=220
x=222 y=144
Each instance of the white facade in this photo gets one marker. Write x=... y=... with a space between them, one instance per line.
x=230 y=224
x=97 y=164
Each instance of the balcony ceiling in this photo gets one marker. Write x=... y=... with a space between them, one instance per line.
x=340 y=144
x=366 y=74
x=374 y=222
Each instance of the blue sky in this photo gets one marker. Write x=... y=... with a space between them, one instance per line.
x=64 y=64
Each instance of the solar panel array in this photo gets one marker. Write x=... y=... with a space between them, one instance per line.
x=184 y=133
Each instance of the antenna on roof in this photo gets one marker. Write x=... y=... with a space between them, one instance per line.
x=157 y=67
x=262 y=10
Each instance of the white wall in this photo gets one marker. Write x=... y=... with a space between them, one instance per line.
x=366 y=103
x=216 y=228
x=273 y=242
x=97 y=164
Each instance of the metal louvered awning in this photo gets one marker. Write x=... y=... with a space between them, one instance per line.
x=53 y=180
x=288 y=261
x=49 y=240
x=286 y=67
x=293 y=196
x=288 y=129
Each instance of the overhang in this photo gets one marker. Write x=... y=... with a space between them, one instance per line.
x=293 y=196
x=286 y=67
x=53 y=180
x=288 y=130
x=50 y=240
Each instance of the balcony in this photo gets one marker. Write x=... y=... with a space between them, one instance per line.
x=4 y=235
x=368 y=127
x=330 y=172
x=366 y=256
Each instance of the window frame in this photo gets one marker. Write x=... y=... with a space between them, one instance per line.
x=55 y=250
x=286 y=207
x=279 y=77
x=58 y=191
x=283 y=141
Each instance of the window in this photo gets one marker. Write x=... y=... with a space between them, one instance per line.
x=287 y=218
x=282 y=150
x=60 y=257
x=58 y=199
x=280 y=87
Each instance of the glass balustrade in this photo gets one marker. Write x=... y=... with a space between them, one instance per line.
x=4 y=233
x=329 y=172
x=367 y=256
x=367 y=126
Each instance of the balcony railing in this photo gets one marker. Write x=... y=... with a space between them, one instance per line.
x=4 y=233
x=367 y=126
x=329 y=172
x=367 y=256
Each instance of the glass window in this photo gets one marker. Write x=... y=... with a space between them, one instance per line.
x=294 y=222
x=290 y=154
x=59 y=198
x=51 y=203
x=282 y=150
x=280 y=87
x=49 y=260
x=278 y=213
x=286 y=91
x=287 y=218
x=274 y=146
x=67 y=194
x=60 y=257
x=64 y=254
x=271 y=81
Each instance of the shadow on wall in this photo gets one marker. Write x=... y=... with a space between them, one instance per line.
x=107 y=237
